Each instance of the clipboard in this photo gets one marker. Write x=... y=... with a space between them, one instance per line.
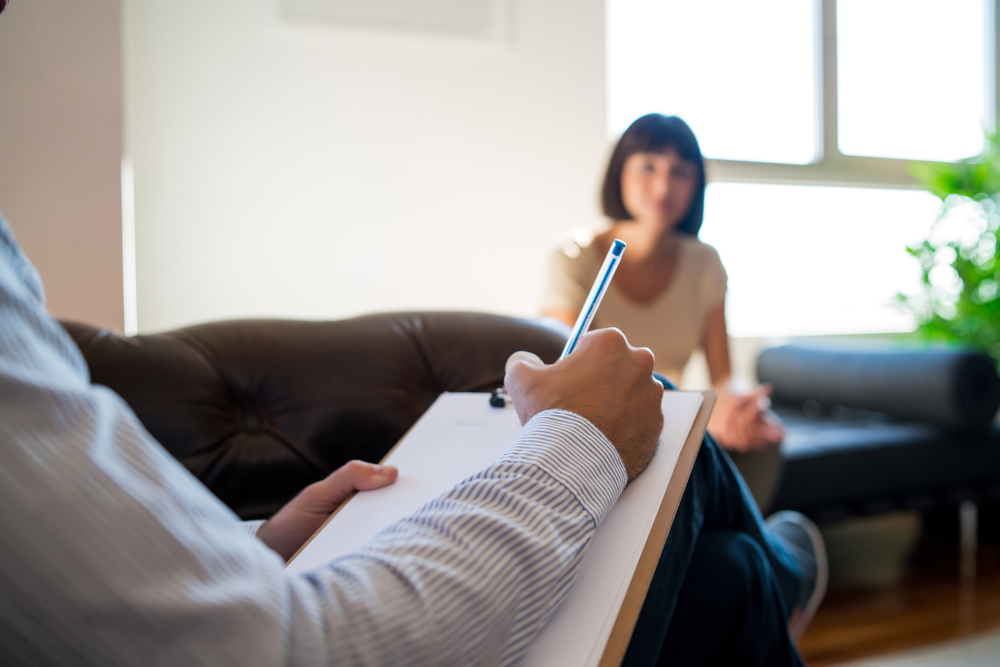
x=621 y=634
x=616 y=592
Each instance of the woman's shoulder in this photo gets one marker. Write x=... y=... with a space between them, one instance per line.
x=703 y=267
x=572 y=267
x=696 y=246
x=703 y=253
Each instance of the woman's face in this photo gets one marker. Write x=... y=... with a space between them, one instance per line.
x=658 y=188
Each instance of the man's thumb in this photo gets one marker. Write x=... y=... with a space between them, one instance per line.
x=523 y=357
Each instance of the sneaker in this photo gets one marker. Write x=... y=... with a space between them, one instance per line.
x=804 y=539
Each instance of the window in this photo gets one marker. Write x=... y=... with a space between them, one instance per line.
x=910 y=78
x=808 y=113
x=806 y=260
x=759 y=106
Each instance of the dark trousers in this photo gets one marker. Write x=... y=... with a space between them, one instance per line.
x=724 y=586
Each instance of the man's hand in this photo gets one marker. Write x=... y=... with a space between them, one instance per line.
x=605 y=380
x=294 y=523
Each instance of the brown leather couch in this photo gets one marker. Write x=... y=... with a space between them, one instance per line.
x=258 y=409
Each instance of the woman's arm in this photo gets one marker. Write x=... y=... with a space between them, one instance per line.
x=715 y=343
x=739 y=422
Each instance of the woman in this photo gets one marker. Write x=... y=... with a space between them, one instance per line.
x=669 y=291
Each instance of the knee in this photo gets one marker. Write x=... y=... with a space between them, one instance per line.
x=732 y=561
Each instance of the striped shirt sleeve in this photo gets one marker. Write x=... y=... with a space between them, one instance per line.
x=115 y=555
x=473 y=576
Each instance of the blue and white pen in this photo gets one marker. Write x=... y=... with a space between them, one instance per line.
x=593 y=301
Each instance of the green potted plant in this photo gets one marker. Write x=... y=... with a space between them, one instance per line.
x=960 y=259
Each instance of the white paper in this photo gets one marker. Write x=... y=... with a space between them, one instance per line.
x=579 y=630
x=459 y=436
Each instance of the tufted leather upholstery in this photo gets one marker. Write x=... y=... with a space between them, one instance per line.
x=258 y=409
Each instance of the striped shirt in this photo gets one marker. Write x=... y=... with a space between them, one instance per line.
x=111 y=553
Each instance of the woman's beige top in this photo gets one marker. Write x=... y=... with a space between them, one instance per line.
x=671 y=325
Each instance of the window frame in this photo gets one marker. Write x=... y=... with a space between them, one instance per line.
x=833 y=168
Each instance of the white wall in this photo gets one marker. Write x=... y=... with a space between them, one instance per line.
x=321 y=171
x=60 y=150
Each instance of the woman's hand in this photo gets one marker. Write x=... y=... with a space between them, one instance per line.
x=294 y=523
x=744 y=423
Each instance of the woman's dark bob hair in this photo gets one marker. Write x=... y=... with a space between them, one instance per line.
x=655 y=133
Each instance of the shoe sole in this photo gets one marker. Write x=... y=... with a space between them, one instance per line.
x=822 y=568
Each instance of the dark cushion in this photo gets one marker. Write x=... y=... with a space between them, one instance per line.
x=845 y=463
x=258 y=409
x=952 y=388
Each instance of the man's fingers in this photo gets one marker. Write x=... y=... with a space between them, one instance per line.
x=374 y=477
x=324 y=496
x=607 y=341
x=522 y=370
x=360 y=476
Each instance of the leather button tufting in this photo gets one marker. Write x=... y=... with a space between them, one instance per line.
x=331 y=391
x=251 y=421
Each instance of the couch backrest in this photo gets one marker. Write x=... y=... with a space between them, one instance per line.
x=258 y=409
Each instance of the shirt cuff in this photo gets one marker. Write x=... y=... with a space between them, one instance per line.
x=251 y=527
x=572 y=450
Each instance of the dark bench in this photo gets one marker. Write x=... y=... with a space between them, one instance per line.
x=858 y=464
x=889 y=427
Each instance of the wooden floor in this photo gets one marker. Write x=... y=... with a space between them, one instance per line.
x=928 y=607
